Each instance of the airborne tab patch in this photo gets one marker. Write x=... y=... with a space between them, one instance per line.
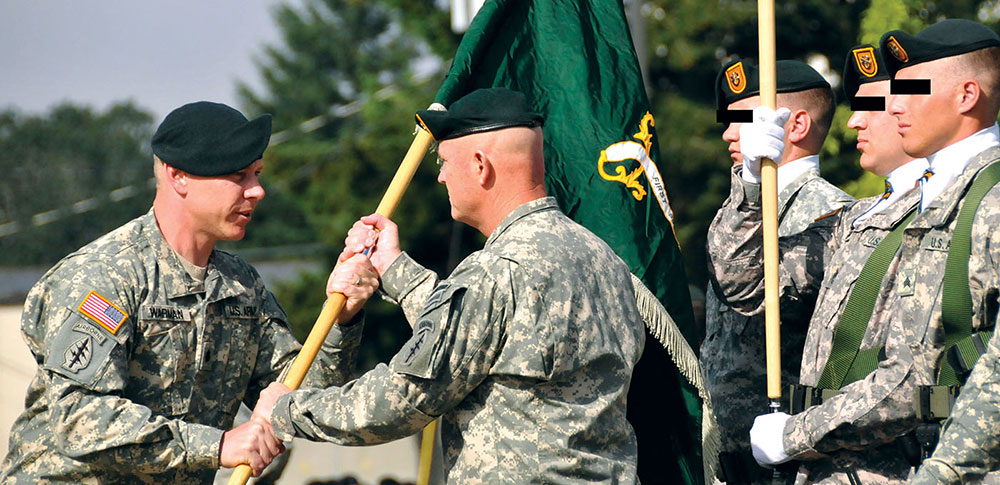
x=102 y=311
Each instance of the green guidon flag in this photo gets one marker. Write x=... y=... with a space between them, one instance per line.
x=575 y=61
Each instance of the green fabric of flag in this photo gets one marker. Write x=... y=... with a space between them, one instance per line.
x=575 y=61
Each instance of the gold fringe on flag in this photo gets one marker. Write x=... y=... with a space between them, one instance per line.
x=663 y=327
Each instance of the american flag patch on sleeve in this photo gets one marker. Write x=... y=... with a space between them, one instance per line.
x=102 y=311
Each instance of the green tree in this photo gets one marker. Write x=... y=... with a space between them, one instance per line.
x=85 y=172
x=688 y=42
x=347 y=68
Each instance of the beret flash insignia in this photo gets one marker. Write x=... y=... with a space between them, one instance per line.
x=897 y=50
x=864 y=57
x=736 y=78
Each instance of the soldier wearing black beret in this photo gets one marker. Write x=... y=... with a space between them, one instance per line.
x=952 y=70
x=525 y=351
x=149 y=339
x=731 y=353
x=833 y=267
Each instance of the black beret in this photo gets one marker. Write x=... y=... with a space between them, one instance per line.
x=210 y=139
x=946 y=38
x=481 y=110
x=740 y=79
x=863 y=65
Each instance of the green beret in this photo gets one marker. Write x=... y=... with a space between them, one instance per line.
x=740 y=79
x=864 y=65
x=210 y=139
x=481 y=110
x=946 y=38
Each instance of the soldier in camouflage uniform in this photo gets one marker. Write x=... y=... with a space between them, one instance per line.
x=148 y=339
x=968 y=451
x=954 y=128
x=525 y=351
x=734 y=343
x=823 y=263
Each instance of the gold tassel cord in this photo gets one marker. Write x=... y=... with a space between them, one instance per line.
x=662 y=326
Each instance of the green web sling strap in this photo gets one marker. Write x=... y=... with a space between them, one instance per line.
x=847 y=364
x=846 y=360
x=956 y=298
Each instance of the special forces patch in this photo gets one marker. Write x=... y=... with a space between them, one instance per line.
x=897 y=50
x=80 y=350
x=736 y=78
x=864 y=57
x=78 y=354
x=420 y=337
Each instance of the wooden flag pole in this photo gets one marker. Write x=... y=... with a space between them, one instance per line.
x=334 y=304
x=769 y=201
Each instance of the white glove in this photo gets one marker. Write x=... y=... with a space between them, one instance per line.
x=764 y=138
x=766 y=439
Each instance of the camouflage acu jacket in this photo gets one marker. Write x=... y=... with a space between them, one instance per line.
x=525 y=352
x=141 y=368
x=735 y=373
x=818 y=269
x=857 y=428
x=969 y=450
x=970 y=442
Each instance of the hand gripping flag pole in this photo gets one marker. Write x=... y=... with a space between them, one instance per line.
x=335 y=304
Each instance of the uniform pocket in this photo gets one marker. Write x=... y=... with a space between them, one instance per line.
x=162 y=366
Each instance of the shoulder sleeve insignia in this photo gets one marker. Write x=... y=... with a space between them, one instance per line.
x=102 y=311
x=897 y=50
x=864 y=57
x=77 y=356
x=736 y=78
x=828 y=215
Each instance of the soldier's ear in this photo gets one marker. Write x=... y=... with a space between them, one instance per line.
x=969 y=94
x=798 y=126
x=485 y=170
x=176 y=178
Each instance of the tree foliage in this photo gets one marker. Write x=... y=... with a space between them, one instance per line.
x=71 y=154
x=342 y=90
x=689 y=41
x=348 y=65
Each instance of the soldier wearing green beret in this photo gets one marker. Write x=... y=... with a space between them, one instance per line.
x=731 y=354
x=148 y=339
x=950 y=279
x=836 y=269
x=525 y=351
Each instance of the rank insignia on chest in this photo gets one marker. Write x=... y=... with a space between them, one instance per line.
x=102 y=311
x=905 y=282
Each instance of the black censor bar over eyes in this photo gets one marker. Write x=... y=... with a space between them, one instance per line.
x=727 y=116
x=868 y=103
x=910 y=86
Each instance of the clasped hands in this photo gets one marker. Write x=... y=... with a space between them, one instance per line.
x=356 y=276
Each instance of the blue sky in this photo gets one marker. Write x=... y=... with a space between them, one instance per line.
x=160 y=54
